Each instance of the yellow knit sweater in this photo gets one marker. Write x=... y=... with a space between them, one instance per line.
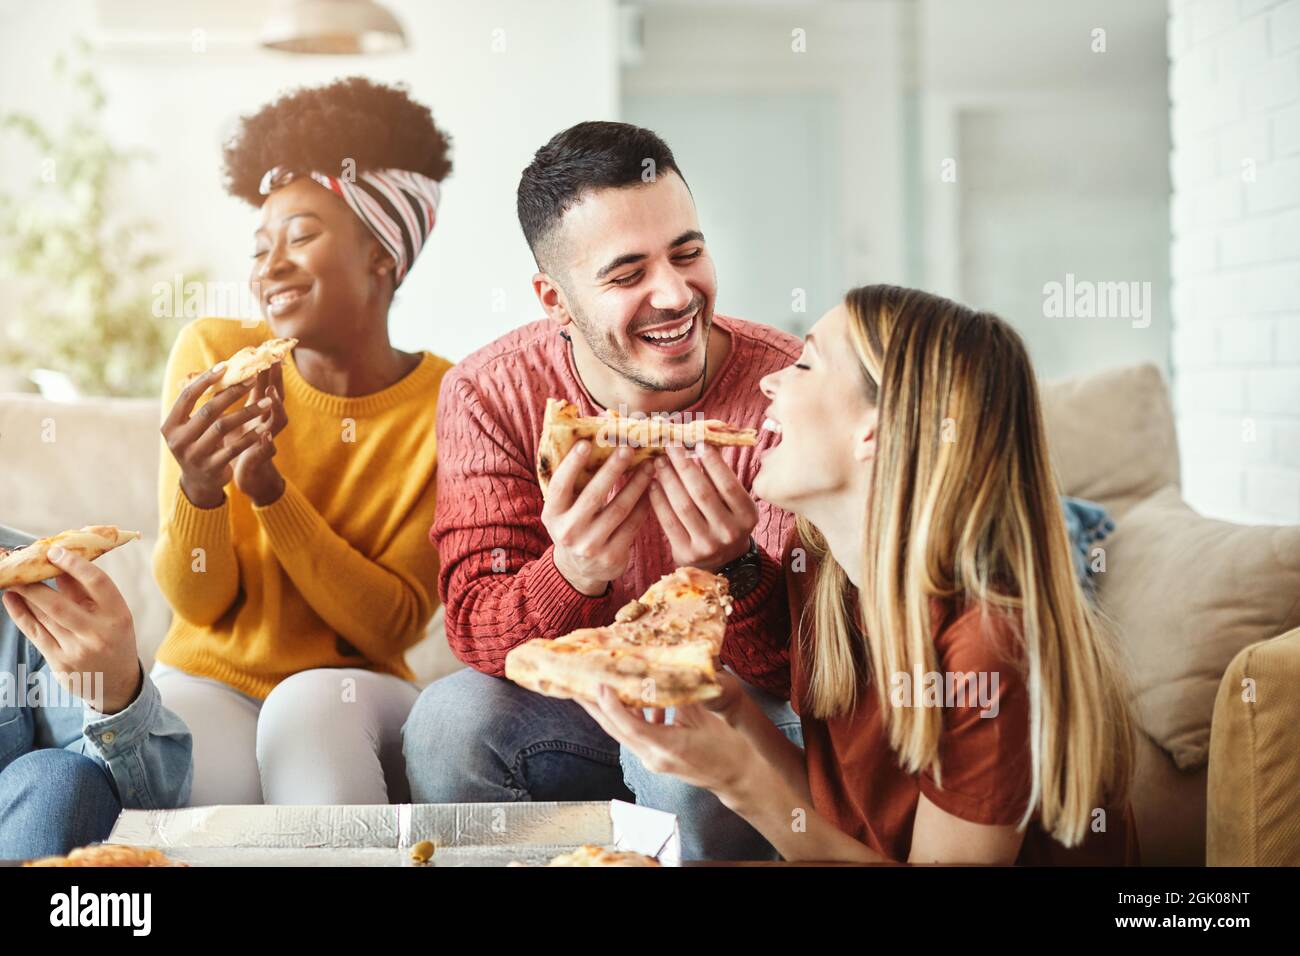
x=338 y=572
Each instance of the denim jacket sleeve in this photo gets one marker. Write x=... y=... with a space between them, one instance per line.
x=145 y=747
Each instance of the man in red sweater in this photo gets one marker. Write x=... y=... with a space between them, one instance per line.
x=628 y=288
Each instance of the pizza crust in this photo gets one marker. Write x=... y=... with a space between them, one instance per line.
x=659 y=652
x=570 y=671
x=30 y=564
x=563 y=427
x=108 y=854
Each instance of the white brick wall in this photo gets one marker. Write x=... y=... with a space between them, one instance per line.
x=1234 y=81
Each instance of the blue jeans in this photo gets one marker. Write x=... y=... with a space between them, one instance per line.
x=52 y=800
x=472 y=738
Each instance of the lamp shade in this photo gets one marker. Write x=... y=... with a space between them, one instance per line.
x=332 y=27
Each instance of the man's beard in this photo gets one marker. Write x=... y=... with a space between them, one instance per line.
x=613 y=355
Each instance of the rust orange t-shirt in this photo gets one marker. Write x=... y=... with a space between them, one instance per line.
x=984 y=761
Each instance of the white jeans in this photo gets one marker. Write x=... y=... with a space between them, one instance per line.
x=324 y=736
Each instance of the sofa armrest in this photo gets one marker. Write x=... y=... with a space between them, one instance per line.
x=1253 y=796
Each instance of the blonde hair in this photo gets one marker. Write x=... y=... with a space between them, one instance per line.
x=963 y=507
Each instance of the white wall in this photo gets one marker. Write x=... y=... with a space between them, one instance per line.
x=501 y=77
x=792 y=142
x=821 y=170
x=1235 y=85
x=1057 y=154
x=1054 y=189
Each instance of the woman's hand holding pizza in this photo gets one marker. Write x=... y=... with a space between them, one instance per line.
x=704 y=510
x=206 y=442
x=701 y=747
x=591 y=532
x=255 y=473
x=270 y=384
x=82 y=628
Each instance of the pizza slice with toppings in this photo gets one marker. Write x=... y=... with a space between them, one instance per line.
x=108 y=854
x=589 y=855
x=658 y=652
x=563 y=427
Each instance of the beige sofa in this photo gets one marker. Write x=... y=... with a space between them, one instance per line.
x=1113 y=441
x=96 y=461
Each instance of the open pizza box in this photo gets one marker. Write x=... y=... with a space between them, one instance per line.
x=465 y=834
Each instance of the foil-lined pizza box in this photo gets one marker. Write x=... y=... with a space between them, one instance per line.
x=463 y=834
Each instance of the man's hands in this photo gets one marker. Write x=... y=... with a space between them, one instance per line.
x=212 y=448
x=84 y=627
x=592 y=532
x=705 y=511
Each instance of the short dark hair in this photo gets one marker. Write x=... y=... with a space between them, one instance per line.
x=592 y=155
x=317 y=128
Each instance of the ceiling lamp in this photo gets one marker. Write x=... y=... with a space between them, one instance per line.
x=333 y=27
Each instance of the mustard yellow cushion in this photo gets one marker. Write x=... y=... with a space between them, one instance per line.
x=1253 y=806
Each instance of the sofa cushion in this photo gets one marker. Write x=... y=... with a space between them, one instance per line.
x=89 y=462
x=67 y=465
x=1186 y=594
x=432 y=657
x=1254 y=778
x=1111 y=435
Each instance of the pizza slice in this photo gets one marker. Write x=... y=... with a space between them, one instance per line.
x=563 y=427
x=108 y=854
x=658 y=652
x=589 y=855
x=249 y=361
x=30 y=564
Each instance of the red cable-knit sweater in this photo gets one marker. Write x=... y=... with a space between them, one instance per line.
x=498 y=581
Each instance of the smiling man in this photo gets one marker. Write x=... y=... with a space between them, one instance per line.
x=628 y=287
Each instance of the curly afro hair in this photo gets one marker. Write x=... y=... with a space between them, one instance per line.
x=373 y=125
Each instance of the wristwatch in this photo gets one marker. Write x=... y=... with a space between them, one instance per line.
x=743 y=573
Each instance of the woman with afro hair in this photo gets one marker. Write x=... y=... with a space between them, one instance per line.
x=293 y=541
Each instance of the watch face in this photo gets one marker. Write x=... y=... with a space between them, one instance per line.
x=743 y=578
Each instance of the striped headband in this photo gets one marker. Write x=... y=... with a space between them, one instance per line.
x=397 y=205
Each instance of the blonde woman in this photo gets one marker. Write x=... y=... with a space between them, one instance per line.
x=960 y=701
